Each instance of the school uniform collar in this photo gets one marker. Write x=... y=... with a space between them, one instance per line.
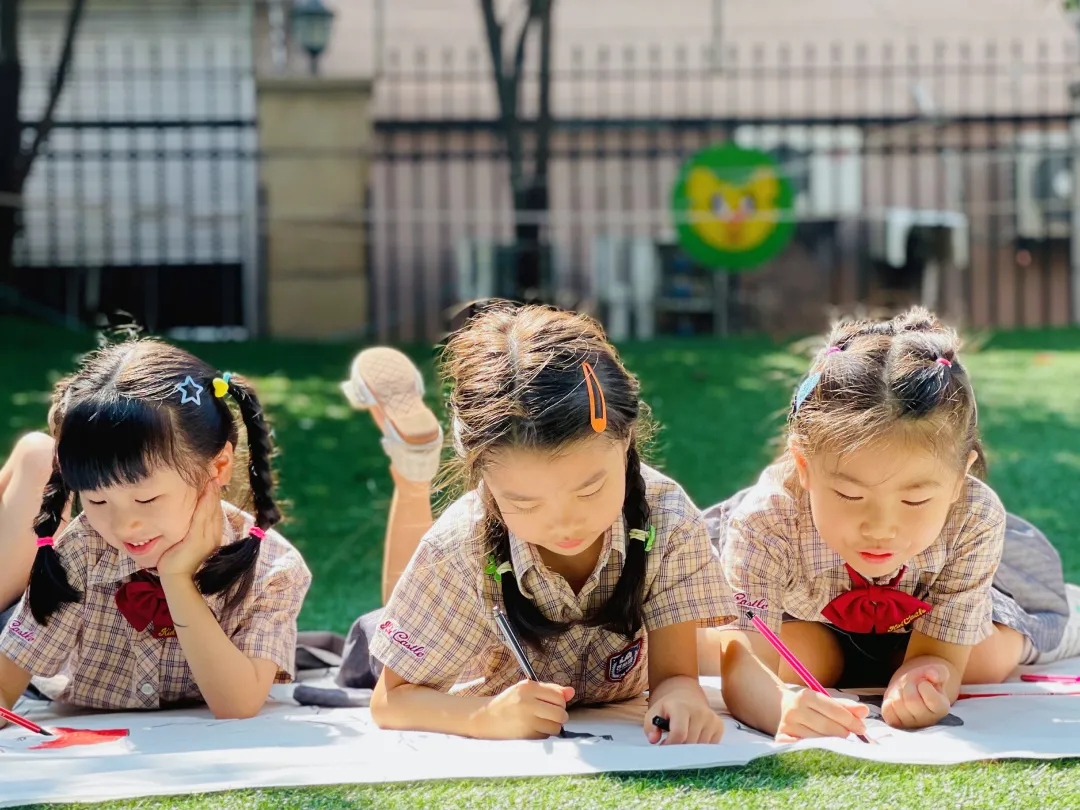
x=525 y=558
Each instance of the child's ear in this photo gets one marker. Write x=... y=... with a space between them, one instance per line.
x=222 y=466
x=971 y=459
x=802 y=466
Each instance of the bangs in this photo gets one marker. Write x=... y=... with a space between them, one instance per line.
x=115 y=441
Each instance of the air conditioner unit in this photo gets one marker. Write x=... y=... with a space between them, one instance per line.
x=1043 y=185
x=823 y=163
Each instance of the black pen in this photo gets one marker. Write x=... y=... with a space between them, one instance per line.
x=503 y=623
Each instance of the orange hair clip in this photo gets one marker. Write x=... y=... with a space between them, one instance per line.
x=597 y=416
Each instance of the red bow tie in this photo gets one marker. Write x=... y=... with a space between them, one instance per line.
x=869 y=608
x=142 y=602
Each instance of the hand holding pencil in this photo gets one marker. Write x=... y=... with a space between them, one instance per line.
x=529 y=709
x=813 y=713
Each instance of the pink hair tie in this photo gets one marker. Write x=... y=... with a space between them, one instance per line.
x=945 y=361
x=833 y=350
x=42 y=542
x=257 y=533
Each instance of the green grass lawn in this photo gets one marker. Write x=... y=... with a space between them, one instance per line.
x=720 y=404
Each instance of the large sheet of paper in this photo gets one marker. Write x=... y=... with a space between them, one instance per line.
x=180 y=752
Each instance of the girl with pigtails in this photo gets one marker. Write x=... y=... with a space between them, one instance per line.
x=876 y=551
x=601 y=565
x=159 y=593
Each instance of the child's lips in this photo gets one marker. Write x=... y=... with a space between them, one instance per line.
x=143 y=548
x=877 y=556
x=569 y=543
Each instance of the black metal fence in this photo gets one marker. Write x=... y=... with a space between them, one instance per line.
x=143 y=199
x=936 y=174
x=940 y=174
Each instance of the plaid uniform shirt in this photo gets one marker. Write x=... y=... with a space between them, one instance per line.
x=438 y=629
x=778 y=565
x=107 y=664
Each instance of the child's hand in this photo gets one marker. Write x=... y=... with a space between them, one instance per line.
x=528 y=710
x=690 y=718
x=916 y=698
x=806 y=713
x=202 y=540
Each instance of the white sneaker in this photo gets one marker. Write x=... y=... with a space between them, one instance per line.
x=385 y=379
x=1069 y=646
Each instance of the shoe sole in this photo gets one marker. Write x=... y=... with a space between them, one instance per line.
x=391 y=378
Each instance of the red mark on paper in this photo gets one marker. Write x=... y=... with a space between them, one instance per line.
x=73 y=737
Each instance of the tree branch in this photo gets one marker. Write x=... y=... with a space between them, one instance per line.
x=9 y=31
x=543 y=110
x=45 y=125
x=506 y=87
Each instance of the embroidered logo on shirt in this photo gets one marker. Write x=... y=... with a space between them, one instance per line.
x=402 y=639
x=744 y=601
x=620 y=664
x=16 y=629
x=165 y=632
x=900 y=625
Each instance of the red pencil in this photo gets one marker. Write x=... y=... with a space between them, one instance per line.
x=22 y=721
x=789 y=656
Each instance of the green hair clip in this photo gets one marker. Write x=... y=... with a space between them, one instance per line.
x=494 y=569
x=646 y=537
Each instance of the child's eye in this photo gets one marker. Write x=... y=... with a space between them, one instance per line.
x=917 y=503
x=95 y=503
x=846 y=497
x=148 y=500
x=523 y=510
x=592 y=494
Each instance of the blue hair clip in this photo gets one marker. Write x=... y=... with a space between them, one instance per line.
x=806 y=389
x=193 y=395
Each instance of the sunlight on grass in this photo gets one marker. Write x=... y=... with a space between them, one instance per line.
x=720 y=407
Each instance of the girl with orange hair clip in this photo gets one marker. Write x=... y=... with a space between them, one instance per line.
x=563 y=539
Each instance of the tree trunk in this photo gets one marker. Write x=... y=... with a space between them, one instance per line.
x=10 y=134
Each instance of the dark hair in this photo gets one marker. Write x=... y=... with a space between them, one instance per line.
x=517 y=380
x=877 y=377
x=119 y=418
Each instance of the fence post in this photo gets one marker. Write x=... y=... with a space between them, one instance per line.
x=315 y=136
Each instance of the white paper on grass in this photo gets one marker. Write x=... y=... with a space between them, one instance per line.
x=179 y=752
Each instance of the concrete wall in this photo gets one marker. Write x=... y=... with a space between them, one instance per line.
x=314 y=135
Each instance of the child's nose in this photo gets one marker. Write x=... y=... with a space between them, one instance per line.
x=127 y=528
x=879 y=527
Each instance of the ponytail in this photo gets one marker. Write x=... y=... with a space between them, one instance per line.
x=232 y=567
x=49 y=588
x=622 y=613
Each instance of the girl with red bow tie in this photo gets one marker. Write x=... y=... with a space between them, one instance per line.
x=159 y=592
x=875 y=550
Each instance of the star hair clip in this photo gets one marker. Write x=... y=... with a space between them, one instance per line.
x=496 y=570
x=192 y=395
x=648 y=537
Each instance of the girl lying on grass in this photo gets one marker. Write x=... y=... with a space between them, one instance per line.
x=601 y=564
x=875 y=549
x=159 y=592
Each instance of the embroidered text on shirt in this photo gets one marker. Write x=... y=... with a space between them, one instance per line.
x=402 y=639
x=744 y=601
x=15 y=629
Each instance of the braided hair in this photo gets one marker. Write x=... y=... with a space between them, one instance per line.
x=517 y=380
x=117 y=419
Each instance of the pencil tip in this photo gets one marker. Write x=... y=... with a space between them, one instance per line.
x=750 y=614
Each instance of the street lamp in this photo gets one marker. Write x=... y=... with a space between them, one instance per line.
x=311 y=22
